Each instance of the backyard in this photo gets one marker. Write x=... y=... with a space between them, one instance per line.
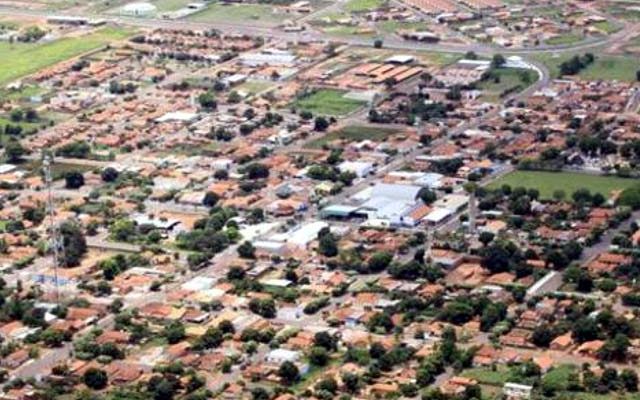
x=549 y=182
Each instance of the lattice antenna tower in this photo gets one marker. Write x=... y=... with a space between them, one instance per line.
x=55 y=238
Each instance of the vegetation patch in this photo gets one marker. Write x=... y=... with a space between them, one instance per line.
x=353 y=133
x=327 y=102
x=21 y=59
x=569 y=182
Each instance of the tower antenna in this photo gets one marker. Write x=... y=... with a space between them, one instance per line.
x=55 y=239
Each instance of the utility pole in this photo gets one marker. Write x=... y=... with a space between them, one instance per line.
x=54 y=233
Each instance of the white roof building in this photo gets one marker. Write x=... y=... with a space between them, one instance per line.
x=359 y=168
x=141 y=9
x=278 y=356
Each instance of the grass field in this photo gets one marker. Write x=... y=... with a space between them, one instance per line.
x=363 y=5
x=607 y=26
x=558 y=377
x=327 y=102
x=569 y=182
x=253 y=87
x=353 y=133
x=510 y=78
x=565 y=39
x=170 y=5
x=612 y=67
x=605 y=67
x=21 y=59
x=258 y=13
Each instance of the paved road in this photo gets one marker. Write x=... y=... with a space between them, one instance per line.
x=313 y=35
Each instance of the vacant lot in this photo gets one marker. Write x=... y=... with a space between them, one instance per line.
x=487 y=375
x=353 y=133
x=21 y=59
x=569 y=182
x=255 y=13
x=327 y=102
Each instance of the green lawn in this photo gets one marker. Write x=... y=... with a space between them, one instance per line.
x=327 y=102
x=569 y=182
x=170 y=5
x=256 y=13
x=605 y=67
x=253 y=87
x=21 y=59
x=558 y=376
x=607 y=26
x=352 y=133
x=513 y=79
x=363 y=5
x=564 y=39
x=612 y=67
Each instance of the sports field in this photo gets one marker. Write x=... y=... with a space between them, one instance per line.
x=569 y=182
x=327 y=102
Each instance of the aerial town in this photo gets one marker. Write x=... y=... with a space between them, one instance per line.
x=319 y=199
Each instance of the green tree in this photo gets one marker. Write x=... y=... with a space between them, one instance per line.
x=289 y=373
x=207 y=101
x=73 y=180
x=123 y=230
x=95 y=378
x=174 y=332
x=379 y=261
x=74 y=244
x=246 y=250
x=210 y=199
x=109 y=174
x=14 y=151
x=318 y=356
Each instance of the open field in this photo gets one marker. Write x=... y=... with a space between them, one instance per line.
x=327 y=102
x=569 y=182
x=255 y=86
x=170 y=5
x=21 y=59
x=255 y=13
x=510 y=79
x=607 y=67
x=362 y=5
x=565 y=39
x=607 y=26
x=612 y=67
x=355 y=133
